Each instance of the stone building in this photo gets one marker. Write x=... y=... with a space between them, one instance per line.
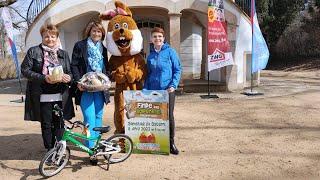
x=185 y=22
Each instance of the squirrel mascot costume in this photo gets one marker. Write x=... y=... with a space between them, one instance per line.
x=127 y=66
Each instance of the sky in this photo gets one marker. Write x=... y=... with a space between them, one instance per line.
x=21 y=6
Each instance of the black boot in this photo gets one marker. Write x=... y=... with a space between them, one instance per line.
x=93 y=161
x=173 y=148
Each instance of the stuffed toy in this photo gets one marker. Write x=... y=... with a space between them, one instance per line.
x=127 y=66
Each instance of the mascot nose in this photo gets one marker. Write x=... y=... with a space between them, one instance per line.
x=121 y=31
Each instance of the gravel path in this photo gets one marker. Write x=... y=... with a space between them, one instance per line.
x=274 y=136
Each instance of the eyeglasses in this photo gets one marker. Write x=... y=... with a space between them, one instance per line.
x=157 y=36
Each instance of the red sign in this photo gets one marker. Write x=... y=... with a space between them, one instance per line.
x=218 y=44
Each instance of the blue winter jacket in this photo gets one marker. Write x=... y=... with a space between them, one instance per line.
x=164 y=69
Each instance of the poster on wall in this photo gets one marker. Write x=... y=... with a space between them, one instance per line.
x=219 y=51
x=146 y=121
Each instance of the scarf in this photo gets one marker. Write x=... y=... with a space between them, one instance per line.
x=95 y=57
x=50 y=58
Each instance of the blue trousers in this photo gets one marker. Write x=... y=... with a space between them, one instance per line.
x=92 y=109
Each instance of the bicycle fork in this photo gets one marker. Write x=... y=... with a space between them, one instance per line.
x=61 y=148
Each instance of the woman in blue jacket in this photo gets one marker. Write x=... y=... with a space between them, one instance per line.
x=164 y=72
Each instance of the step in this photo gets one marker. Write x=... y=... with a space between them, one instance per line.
x=201 y=86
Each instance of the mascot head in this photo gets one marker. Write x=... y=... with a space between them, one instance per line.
x=123 y=36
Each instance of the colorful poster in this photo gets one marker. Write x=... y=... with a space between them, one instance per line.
x=219 y=54
x=146 y=121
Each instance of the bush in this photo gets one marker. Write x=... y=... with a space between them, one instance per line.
x=7 y=69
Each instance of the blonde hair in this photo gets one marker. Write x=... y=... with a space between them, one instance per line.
x=50 y=28
x=97 y=25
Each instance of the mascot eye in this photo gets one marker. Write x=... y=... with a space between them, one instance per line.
x=125 y=25
x=116 y=26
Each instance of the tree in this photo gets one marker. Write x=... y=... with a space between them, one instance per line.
x=275 y=16
x=317 y=3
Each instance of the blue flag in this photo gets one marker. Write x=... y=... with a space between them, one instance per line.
x=260 y=51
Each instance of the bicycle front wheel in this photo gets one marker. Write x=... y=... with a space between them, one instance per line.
x=49 y=165
x=119 y=148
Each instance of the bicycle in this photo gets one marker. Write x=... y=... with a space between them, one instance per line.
x=117 y=148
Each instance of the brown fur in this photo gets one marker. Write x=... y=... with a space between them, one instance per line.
x=128 y=71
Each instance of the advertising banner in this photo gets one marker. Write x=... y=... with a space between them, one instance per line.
x=146 y=121
x=219 y=53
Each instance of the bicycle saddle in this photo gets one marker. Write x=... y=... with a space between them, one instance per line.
x=102 y=129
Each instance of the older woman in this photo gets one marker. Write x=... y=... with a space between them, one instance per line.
x=89 y=55
x=42 y=91
x=164 y=72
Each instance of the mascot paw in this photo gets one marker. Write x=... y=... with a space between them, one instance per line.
x=131 y=75
x=119 y=77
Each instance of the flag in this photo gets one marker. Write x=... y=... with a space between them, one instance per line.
x=7 y=23
x=260 y=51
x=219 y=54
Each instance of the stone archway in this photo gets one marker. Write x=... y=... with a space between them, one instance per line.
x=73 y=29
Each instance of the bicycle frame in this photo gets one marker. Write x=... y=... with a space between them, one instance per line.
x=68 y=136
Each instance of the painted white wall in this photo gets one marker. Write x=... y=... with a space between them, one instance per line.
x=71 y=38
x=191 y=47
x=197 y=50
x=243 y=44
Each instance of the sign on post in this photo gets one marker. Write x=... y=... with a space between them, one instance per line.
x=219 y=53
x=146 y=121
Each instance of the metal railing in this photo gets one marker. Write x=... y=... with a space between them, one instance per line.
x=245 y=5
x=35 y=8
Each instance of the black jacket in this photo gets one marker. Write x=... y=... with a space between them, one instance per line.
x=31 y=68
x=79 y=66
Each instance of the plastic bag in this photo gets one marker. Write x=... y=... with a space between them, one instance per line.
x=95 y=81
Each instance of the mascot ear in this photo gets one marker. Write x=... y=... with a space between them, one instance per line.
x=124 y=7
x=108 y=15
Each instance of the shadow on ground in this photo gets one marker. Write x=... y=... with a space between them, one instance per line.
x=21 y=147
x=12 y=86
x=298 y=64
x=26 y=172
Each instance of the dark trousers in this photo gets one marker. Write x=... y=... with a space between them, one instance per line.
x=171 y=116
x=52 y=126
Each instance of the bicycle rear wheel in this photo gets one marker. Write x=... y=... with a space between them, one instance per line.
x=49 y=165
x=119 y=146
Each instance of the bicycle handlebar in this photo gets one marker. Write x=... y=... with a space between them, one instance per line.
x=56 y=106
x=74 y=124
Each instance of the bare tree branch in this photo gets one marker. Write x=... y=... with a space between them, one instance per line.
x=5 y=3
x=15 y=10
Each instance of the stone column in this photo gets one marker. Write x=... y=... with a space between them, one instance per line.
x=174 y=33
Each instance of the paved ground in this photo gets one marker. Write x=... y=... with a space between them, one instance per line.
x=275 y=136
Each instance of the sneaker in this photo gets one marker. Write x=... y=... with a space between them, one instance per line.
x=173 y=149
x=93 y=162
